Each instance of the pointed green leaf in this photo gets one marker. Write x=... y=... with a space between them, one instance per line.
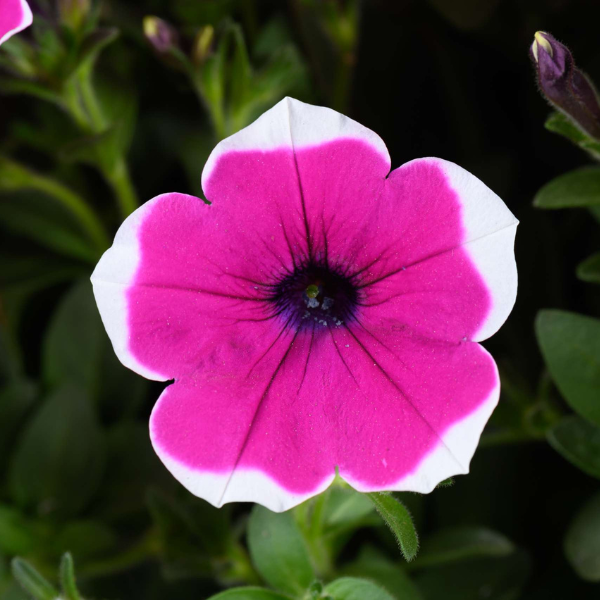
x=67 y=578
x=576 y=188
x=278 y=550
x=398 y=519
x=352 y=588
x=570 y=344
x=579 y=442
x=32 y=582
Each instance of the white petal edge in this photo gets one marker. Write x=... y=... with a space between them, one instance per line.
x=26 y=21
x=111 y=279
x=451 y=456
x=243 y=485
x=490 y=230
x=294 y=124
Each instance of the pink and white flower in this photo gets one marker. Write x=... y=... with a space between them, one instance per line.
x=15 y=15
x=322 y=313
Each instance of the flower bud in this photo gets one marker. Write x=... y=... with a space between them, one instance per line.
x=203 y=43
x=564 y=85
x=160 y=34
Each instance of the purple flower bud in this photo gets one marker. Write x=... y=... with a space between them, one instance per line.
x=564 y=85
x=160 y=34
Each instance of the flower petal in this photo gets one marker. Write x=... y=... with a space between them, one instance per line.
x=273 y=430
x=176 y=290
x=443 y=260
x=15 y=15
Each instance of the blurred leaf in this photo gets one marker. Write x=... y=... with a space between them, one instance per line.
x=249 y=593
x=561 y=124
x=373 y=564
x=461 y=543
x=582 y=542
x=32 y=581
x=579 y=442
x=74 y=341
x=36 y=271
x=589 y=269
x=489 y=578
x=570 y=344
x=16 y=399
x=67 y=578
x=31 y=215
x=84 y=539
x=278 y=550
x=59 y=457
x=398 y=519
x=95 y=42
x=574 y=189
x=132 y=467
x=346 y=506
x=351 y=588
x=18 y=534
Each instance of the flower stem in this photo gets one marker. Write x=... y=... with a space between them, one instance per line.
x=122 y=186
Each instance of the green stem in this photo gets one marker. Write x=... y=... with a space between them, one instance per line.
x=88 y=97
x=24 y=178
x=121 y=184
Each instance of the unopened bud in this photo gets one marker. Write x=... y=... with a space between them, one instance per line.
x=160 y=34
x=564 y=85
x=203 y=44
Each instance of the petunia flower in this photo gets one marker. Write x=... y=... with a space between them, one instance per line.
x=321 y=314
x=15 y=15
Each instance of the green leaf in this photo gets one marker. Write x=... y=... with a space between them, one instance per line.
x=589 y=269
x=346 y=506
x=32 y=581
x=72 y=350
x=278 y=550
x=59 y=457
x=398 y=519
x=85 y=539
x=462 y=543
x=570 y=344
x=16 y=399
x=582 y=542
x=578 y=441
x=561 y=124
x=373 y=564
x=576 y=188
x=351 y=588
x=67 y=578
x=490 y=578
x=249 y=593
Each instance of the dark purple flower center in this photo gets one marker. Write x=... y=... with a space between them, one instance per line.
x=315 y=295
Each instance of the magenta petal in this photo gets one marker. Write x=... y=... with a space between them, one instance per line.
x=15 y=15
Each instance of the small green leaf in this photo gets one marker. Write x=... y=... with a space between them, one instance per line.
x=462 y=543
x=59 y=457
x=576 y=188
x=352 y=588
x=570 y=344
x=32 y=582
x=249 y=593
x=67 y=578
x=582 y=542
x=579 y=442
x=589 y=269
x=278 y=550
x=398 y=519
x=374 y=565
x=72 y=350
x=561 y=124
x=346 y=506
